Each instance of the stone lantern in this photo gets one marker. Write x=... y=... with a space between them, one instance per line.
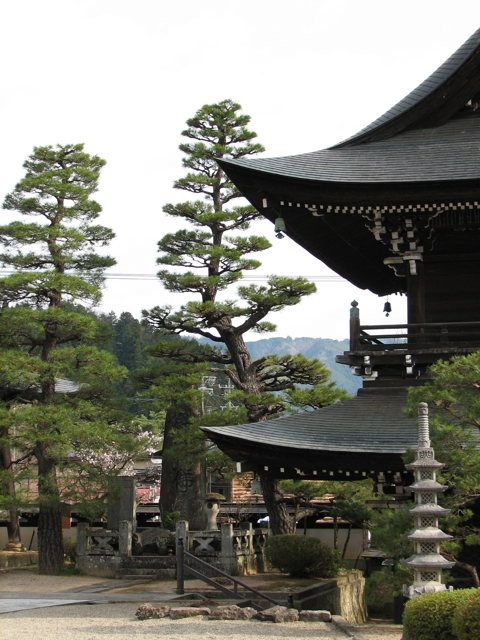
x=427 y=561
x=212 y=507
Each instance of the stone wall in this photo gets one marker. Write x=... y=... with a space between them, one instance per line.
x=344 y=596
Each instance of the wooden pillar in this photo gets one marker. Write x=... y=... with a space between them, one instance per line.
x=354 y=327
x=416 y=301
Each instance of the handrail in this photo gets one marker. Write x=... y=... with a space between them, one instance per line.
x=420 y=325
x=181 y=566
x=416 y=336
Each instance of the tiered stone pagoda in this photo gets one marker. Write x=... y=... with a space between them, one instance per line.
x=393 y=209
x=426 y=536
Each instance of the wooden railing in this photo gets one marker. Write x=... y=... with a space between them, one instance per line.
x=403 y=337
x=182 y=567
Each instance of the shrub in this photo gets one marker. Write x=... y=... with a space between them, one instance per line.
x=171 y=518
x=430 y=617
x=383 y=585
x=466 y=619
x=70 y=549
x=302 y=556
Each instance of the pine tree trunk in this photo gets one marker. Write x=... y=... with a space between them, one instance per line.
x=13 y=525
x=168 y=486
x=50 y=534
x=280 y=521
x=347 y=540
x=183 y=487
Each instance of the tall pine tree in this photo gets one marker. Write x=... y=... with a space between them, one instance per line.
x=210 y=245
x=57 y=403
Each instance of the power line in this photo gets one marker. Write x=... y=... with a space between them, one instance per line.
x=245 y=278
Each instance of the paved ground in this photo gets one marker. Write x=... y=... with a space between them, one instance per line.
x=113 y=615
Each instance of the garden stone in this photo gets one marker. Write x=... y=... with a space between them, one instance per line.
x=277 y=614
x=146 y=612
x=232 y=612
x=188 y=612
x=315 y=616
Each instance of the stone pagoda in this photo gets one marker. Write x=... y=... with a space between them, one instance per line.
x=426 y=536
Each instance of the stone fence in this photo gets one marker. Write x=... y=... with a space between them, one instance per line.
x=237 y=551
x=116 y=552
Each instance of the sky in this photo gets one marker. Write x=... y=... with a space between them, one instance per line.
x=123 y=77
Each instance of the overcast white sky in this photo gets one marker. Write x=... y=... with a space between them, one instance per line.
x=123 y=77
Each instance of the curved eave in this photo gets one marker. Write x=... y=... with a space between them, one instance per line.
x=342 y=242
x=434 y=101
x=364 y=433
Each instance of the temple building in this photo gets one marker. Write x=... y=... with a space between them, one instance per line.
x=394 y=209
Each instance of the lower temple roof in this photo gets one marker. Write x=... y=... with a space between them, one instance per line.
x=364 y=424
x=365 y=436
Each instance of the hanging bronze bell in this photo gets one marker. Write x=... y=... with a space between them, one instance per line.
x=279 y=227
x=387 y=309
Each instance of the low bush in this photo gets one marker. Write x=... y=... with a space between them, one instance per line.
x=466 y=619
x=430 y=617
x=70 y=549
x=302 y=556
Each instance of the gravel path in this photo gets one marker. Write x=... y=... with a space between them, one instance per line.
x=118 y=622
x=32 y=582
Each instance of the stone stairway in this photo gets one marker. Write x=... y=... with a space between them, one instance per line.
x=150 y=567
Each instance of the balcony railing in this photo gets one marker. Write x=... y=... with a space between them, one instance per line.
x=414 y=337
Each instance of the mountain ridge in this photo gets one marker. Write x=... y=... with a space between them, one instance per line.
x=324 y=349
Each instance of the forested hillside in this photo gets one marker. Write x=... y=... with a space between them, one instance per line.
x=323 y=349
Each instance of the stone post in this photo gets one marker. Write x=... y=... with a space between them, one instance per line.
x=125 y=508
x=226 y=556
x=82 y=541
x=249 y=527
x=181 y=531
x=125 y=538
x=427 y=561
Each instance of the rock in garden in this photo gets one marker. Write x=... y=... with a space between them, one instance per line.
x=232 y=612
x=146 y=612
x=315 y=616
x=277 y=614
x=188 y=612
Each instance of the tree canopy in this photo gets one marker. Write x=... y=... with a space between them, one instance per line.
x=214 y=252
x=57 y=387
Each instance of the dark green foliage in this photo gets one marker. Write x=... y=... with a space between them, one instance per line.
x=72 y=441
x=388 y=525
x=430 y=616
x=382 y=585
x=171 y=518
x=466 y=620
x=302 y=556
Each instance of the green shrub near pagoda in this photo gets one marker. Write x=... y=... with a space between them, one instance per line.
x=449 y=615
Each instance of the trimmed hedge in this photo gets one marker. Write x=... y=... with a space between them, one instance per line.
x=443 y=616
x=466 y=620
x=302 y=556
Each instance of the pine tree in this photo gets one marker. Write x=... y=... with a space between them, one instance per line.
x=57 y=402
x=218 y=131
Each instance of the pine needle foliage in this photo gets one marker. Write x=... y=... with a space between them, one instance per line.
x=214 y=253
x=57 y=388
